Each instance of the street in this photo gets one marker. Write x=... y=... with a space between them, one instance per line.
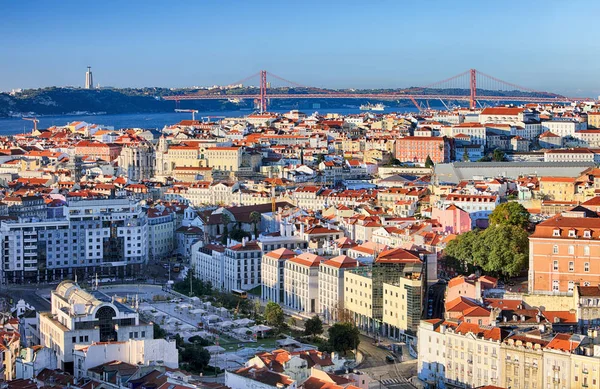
x=30 y=293
x=374 y=363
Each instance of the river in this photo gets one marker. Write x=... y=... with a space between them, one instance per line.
x=10 y=126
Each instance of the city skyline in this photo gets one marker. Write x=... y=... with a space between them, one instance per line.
x=154 y=44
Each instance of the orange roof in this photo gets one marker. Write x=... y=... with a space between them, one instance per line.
x=397 y=255
x=563 y=342
x=307 y=259
x=281 y=253
x=501 y=111
x=341 y=261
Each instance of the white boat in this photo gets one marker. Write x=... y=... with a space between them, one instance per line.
x=372 y=107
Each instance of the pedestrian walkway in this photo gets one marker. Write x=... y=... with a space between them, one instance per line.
x=397 y=383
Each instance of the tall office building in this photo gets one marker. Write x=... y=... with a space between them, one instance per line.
x=89 y=79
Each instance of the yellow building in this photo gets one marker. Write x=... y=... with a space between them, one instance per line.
x=557 y=188
x=379 y=157
x=350 y=145
x=594 y=119
x=358 y=299
x=585 y=371
x=402 y=304
x=523 y=360
x=224 y=158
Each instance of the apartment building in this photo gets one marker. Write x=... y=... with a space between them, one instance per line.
x=331 y=285
x=418 y=148
x=557 y=188
x=208 y=262
x=224 y=158
x=459 y=354
x=563 y=128
x=571 y=155
x=105 y=151
x=242 y=268
x=161 y=233
x=501 y=115
x=272 y=274
x=564 y=251
x=26 y=207
x=402 y=305
x=475 y=131
x=365 y=287
x=593 y=119
x=463 y=355
x=105 y=237
x=479 y=207
x=84 y=317
x=301 y=283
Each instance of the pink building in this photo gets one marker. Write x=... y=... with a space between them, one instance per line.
x=453 y=219
x=470 y=287
x=466 y=310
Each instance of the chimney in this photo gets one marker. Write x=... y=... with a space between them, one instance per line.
x=244 y=242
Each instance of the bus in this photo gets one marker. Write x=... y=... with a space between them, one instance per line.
x=239 y=293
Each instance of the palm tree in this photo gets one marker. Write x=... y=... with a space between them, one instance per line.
x=255 y=219
x=225 y=220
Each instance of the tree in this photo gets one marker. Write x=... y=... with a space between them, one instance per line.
x=458 y=254
x=503 y=250
x=465 y=156
x=178 y=340
x=498 y=155
x=429 y=162
x=196 y=357
x=292 y=322
x=255 y=218
x=343 y=337
x=159 y=333
x=225 y=220
x=396 y=162
x=510 y=213
x=313 y=326
x=274 y=315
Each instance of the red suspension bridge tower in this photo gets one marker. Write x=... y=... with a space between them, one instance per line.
x=263 y=91
x=473 y=87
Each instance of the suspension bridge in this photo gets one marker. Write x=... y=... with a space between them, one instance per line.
x=472 y=86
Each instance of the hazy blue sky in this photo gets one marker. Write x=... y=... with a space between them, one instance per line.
x=546 y=45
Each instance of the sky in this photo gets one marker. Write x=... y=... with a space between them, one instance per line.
x=543 y=45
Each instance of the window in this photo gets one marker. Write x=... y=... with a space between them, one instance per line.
x=555 y=285
x=571 y=286
x=571 y=233
x=555 y=249
x=571 y=250
x=555 y=266
x=556 y=232
x=587 y=234
x=586 y=250
x=571 y=266
x=586 y=267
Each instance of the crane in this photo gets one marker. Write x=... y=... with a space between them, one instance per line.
x=193 y=111
x=35 y=122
